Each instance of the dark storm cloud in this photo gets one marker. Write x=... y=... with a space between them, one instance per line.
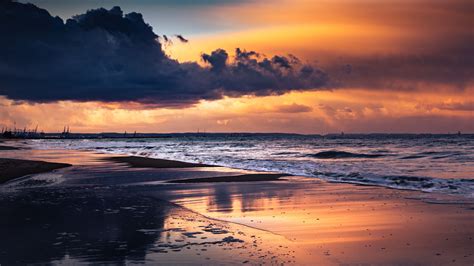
x=217 y=59
x=281 y=61
x=105 y=55
x=178 y=3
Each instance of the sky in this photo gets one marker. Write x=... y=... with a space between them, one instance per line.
x=296 y=66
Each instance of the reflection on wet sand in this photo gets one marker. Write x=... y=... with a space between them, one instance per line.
x=118 y=226
x=344 y=223
x=54 y=225
x=55 y=156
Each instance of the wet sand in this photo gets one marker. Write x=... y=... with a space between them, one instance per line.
x=7 y=148
x=343 y=223
x=142 y=162
x=14 y=168
x=101 y=211
x=117 y=226
x=236 y=178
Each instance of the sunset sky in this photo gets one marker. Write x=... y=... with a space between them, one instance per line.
x=319 y=66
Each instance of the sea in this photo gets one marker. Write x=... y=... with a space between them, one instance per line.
x=429 y=163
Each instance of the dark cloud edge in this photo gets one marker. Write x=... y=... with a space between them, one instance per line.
x=106 y=55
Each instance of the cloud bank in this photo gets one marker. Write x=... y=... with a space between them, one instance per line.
x=446 y=67
x=106 y=55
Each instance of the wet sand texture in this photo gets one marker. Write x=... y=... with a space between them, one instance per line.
x=142 y=162
x=237 y=178
x=340 y=224
x=7 y=148
x=75 y=226
x=14 y=168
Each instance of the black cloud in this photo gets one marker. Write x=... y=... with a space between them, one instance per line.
x=217 y=59
x=105 y=55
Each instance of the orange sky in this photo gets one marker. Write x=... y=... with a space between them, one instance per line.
x=404 y=93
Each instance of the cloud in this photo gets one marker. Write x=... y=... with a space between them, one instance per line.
x=217 y=59
x=106 y=55
x=181 y=38
x=450 y=106
x=458 y=106
x=293 y=108
x=343 y=113
x=446 y=67
x=432 y=48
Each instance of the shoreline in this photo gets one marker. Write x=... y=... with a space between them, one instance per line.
x=12 y=169
x=232 y=179
x=40 y=166
x=17 y=168
x=144 y=162
x=156 y=163
x=391 y=170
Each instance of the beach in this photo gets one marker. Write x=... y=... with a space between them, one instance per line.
x=237 y=132
x=98 y=208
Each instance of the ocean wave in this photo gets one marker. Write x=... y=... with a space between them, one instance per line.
x=333 y=154
x=427 y=184
x=432 y=154
x=402 y=163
